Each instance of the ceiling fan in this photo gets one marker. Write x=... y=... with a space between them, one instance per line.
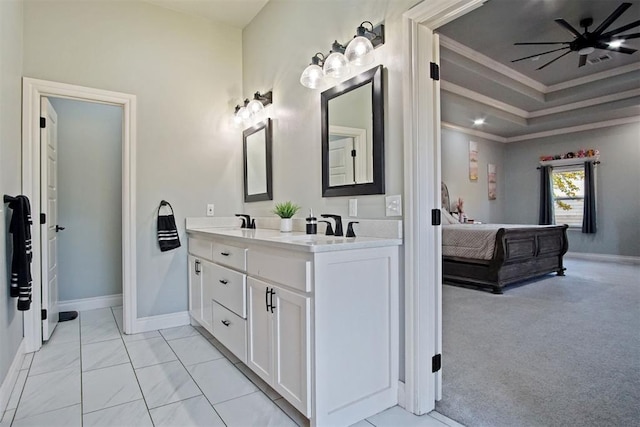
x=587 y=42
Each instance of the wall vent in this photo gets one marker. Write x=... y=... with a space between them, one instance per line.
x=598 y=59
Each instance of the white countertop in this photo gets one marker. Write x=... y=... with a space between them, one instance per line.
x=294 y=240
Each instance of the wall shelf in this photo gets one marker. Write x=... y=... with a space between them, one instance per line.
x=568 y=162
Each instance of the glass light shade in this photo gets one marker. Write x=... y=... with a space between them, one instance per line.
x=359 y=51
x=336 y=65
x=255 y=107
x=243 y=113
x=311 y=76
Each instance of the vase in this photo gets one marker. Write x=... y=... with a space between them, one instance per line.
x=286 y=225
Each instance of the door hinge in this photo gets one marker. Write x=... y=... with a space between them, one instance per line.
x=353 y=153
x=434 y=71
x=435 y=217
x=43 y=314
x=436 y=363
x=43 y=122
x=43 y=218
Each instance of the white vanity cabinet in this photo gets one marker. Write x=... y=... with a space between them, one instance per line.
x=321 y=317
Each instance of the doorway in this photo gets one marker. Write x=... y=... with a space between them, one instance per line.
x=33 y=92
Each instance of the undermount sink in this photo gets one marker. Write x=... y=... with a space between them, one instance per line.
x=313 y=239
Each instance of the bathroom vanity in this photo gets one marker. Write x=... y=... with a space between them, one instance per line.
x=316 y=317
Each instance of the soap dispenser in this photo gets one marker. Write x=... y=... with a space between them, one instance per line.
x=312 y=223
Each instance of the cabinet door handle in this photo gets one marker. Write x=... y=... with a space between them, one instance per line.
x=225 y=322
x=225 y=253
x=266 y=298
x=197 y=267
x=223 y=281
x=273 y=292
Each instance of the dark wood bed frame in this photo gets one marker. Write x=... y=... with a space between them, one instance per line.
x=519 y=254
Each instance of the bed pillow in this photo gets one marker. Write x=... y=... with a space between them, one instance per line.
x=447 y=218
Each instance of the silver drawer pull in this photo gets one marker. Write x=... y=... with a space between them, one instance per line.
x=225 y=253
x=226 y=322
x=223 y=281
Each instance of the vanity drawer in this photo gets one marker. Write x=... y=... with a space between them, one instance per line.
x=229 y=289
x=289 y=268
x=230 y=330
x=229 y=255
x=200 y=248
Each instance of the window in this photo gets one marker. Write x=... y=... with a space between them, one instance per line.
x=568 y=195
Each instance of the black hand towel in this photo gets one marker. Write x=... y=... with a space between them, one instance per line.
x=167 y=231
x=20 y=228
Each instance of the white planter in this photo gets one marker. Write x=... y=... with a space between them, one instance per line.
x=286 y=225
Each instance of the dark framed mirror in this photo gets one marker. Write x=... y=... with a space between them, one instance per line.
x=257 y=145
x=352 y=116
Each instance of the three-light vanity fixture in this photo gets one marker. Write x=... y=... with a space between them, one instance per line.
x=336 y=64
x=252 y=108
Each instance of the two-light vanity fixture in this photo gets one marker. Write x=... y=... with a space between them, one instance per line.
x=252 y=108
x=336 y=64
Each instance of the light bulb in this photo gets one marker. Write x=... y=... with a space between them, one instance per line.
x=311 y=76
x=359 y=51
x=336 y=65
x=255 y=107
x=243 y=113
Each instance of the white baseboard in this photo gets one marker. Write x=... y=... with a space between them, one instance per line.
x=12 y=375
x=90 y=303
x=162 y=321
x=604 y=257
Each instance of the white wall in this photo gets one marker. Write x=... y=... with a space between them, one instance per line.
x=277 y=46
x=186 y=74
x=455 y=173
x=617 y=178
x=10 y=179
x=89 y=199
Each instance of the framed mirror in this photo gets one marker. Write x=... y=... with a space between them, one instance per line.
x=353 y=136
x=257 y=162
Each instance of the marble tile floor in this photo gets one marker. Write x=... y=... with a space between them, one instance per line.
x=91 y=374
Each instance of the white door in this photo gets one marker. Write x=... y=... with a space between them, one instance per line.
x=292 y=346
x=49 y=206
x=341 y=162
x=260 y=333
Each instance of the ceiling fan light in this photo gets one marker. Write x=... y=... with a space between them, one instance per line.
x=615 y=43
x=586 y=50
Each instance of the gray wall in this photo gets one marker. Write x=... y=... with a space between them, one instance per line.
x=10 y=180
x=618 y=192
x=455 y=173
x=186 y=74
x=89 y=199
x=277 y=46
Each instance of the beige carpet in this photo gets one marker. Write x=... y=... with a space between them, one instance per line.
x=556 y=351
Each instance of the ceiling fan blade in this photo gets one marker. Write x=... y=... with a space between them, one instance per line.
x=543 y=53
x=628 y=36
x=582 y=61
x=621 y=29
x=535 y=43
x=569 y=28
x=620 y=49
x=615 y=15
x=553 y=60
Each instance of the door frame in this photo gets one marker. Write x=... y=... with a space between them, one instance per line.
x=32 y=91
x=422 y=175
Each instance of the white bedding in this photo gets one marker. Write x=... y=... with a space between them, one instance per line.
x=476 y=241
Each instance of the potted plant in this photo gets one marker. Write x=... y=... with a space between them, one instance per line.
x=285 y=211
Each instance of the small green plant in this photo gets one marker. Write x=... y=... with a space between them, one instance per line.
x=286 y=209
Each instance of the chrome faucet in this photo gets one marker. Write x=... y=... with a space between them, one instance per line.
x=338 y=221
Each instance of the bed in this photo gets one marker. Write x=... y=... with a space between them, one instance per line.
x=492 y=256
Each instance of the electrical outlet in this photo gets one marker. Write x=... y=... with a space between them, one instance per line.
x=210 y=209
x=393 y=205
x=353 y=207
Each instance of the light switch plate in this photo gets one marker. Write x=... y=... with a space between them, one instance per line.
x=210 y=209
x=393 y=205
x=353 y=207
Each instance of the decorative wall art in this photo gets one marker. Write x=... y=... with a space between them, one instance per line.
x=473 y=161
x=492 y=180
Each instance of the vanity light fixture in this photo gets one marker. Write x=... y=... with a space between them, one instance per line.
x=253 y=107
x=337 y=63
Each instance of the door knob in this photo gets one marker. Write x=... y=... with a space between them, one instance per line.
x=58 y=228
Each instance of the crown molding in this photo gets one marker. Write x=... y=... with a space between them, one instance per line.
x=585 y=103
x=473 y=132
x=594 y=77
x=574 y=129
x=483 y=99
